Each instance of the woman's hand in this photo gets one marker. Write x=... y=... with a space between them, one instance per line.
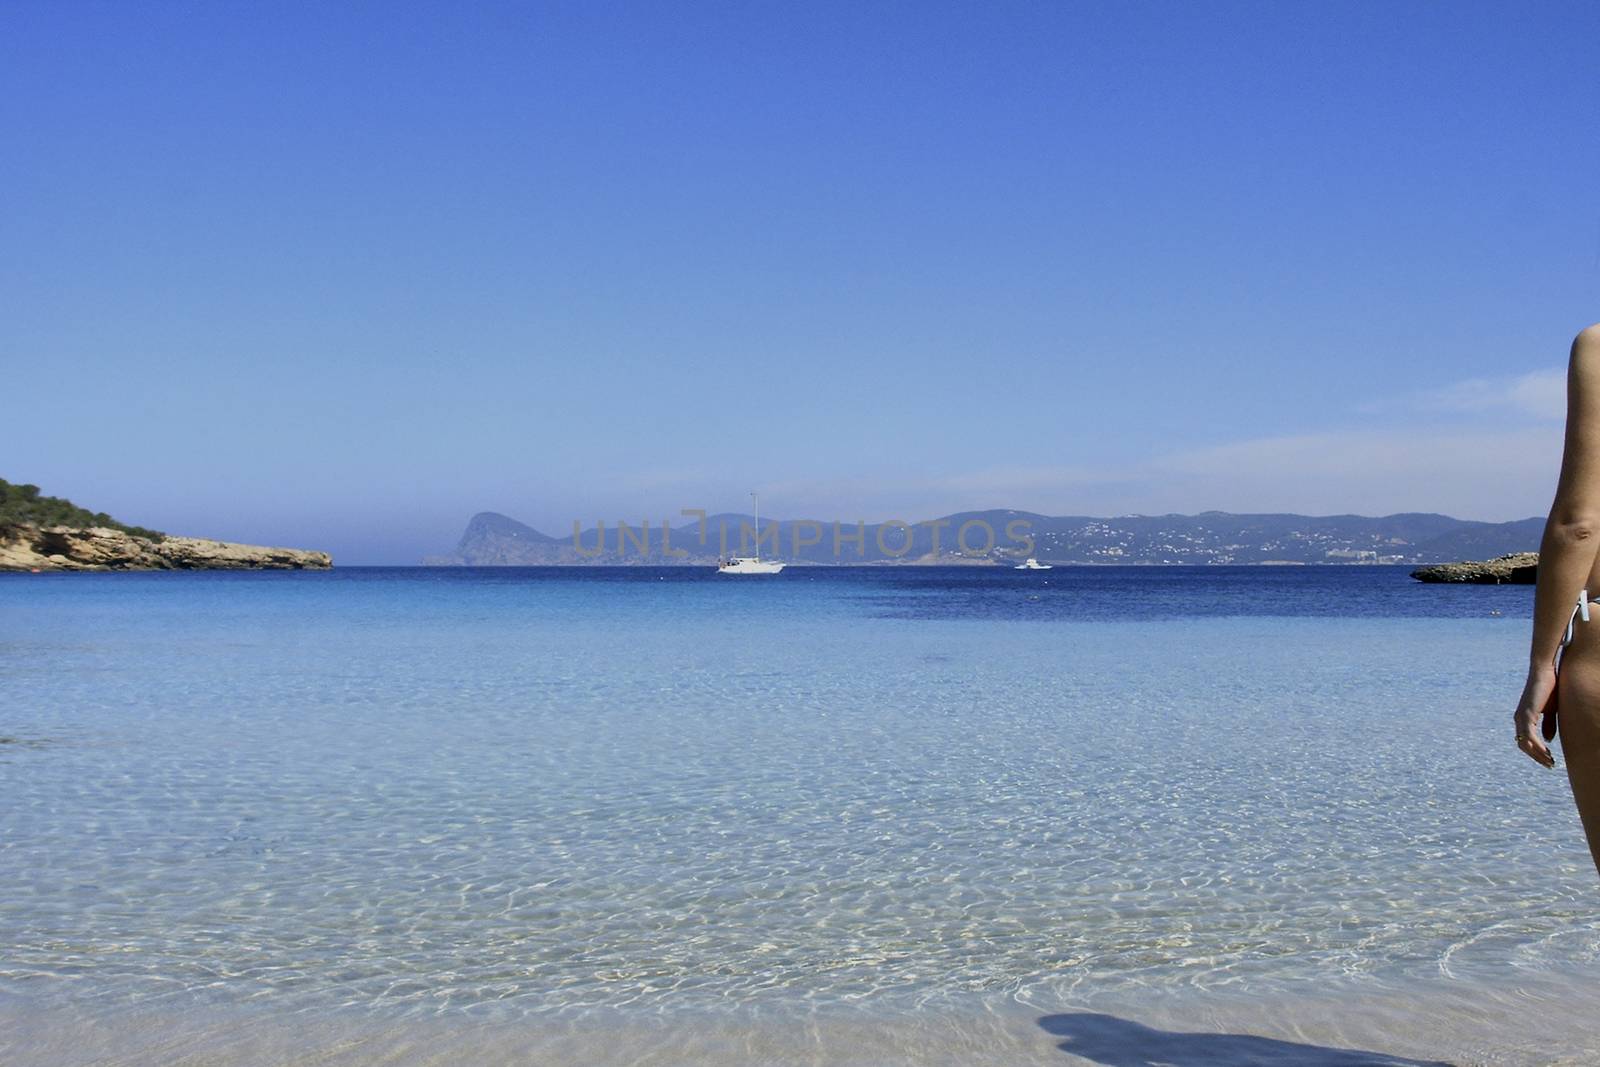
x=1536 y=696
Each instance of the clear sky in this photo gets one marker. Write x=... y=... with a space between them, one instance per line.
x=340 y=275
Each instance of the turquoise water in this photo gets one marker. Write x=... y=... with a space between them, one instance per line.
x=563 y=795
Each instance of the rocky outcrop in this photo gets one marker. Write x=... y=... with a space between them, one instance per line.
x=1516 y=568
x=99 y=548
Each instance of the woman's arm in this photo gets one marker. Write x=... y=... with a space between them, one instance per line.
x=1571 y=539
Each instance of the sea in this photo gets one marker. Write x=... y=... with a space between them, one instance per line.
x=840 y=815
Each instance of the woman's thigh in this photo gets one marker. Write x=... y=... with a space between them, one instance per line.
x=1579 y=718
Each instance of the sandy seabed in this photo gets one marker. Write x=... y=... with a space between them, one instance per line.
x=1547 y=1020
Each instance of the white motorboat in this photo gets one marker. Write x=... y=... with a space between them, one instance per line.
x=751 y=564
x=1031 y=565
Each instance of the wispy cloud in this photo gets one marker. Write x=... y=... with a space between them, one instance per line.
x=1495 y=475
x=1490 y=449
x=1499 y=474
x=1539 y=395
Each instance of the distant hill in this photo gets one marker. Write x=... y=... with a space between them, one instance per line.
x=1003 y=536
x=1486 y=541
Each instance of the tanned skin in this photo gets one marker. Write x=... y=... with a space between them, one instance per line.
x=1568 y=564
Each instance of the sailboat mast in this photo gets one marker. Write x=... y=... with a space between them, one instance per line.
x=755 y=506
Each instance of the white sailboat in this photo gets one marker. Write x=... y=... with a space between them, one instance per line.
x=1031 y=565
x=751 y=564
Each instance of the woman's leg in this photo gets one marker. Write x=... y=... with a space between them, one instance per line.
x=1579 y=717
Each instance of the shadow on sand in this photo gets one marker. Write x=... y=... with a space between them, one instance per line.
x=1114 y=1042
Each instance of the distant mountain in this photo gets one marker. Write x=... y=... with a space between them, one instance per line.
x=492 y=539
x=1485 y=541
x=1000 y=536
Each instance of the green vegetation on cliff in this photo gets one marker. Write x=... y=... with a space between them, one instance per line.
x=21 y=505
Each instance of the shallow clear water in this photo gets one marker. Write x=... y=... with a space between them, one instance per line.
x=573 y=794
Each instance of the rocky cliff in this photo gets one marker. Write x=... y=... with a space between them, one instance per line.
x=98 y=548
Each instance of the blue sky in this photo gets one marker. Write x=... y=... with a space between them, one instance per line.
x=339 y=276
